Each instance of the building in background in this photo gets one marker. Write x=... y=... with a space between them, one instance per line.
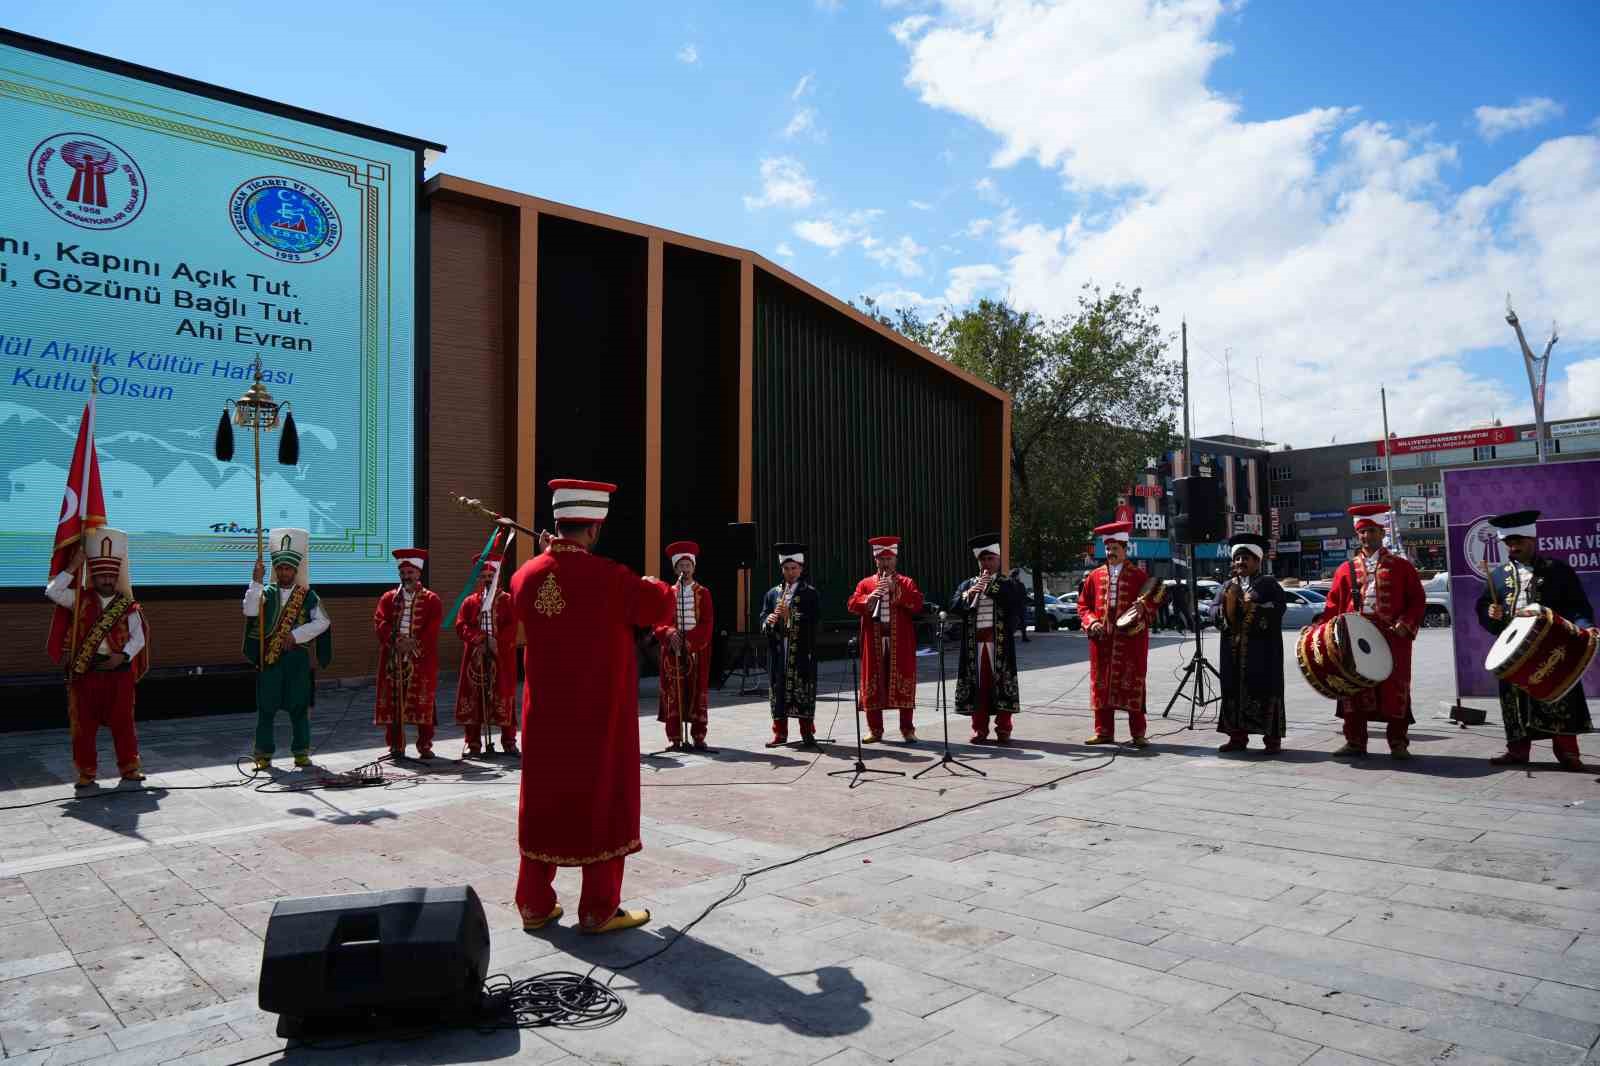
x=1311 y=487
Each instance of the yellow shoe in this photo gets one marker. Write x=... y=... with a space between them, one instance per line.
x=909 y=735
x=620 y=920
x=540 y=923
x=263 y=762
x=871 y=738
x=1097 y=739
x=85 y=781
x=133 y=775
x=302 y=760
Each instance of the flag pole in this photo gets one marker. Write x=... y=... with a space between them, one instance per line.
x=261 y=618
x=83 y=512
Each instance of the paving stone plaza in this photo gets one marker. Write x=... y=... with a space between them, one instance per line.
x=1167 y=906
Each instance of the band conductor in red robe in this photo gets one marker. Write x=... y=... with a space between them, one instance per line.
x=580 y=713
x=1383 y=588
x=1117 y=658
x=486 y=693
x=407 y=623
x=684 y=692
x=887 y=604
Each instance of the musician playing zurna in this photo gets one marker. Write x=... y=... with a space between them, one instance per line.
x=1520 y=586
x=296 y=625
x=486 y=694
x=1250 y=620
x=407 y=624
x=887 y=604
x=789 y=617
x=1384 y=589
x=991 y=609
x=1117 y=654
x=684 y=692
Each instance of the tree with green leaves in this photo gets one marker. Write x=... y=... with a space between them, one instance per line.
x=1093 y=394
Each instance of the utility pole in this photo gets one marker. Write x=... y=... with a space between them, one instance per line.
x=1227 y=370
x=1261 y=407
x=1538 y=367
x=1388 y=475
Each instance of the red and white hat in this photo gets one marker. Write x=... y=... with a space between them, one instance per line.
x=579 y=502
x=417 y=557
x=491 y=561
x=1371 y=516
x=679 y=548
x=884 y=546
x=1114 y=531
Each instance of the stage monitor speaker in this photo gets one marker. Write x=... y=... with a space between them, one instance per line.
x=742 y=544
x=1202 y=518
x=404 y=951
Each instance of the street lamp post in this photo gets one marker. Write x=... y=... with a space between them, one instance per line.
x=1538 y=367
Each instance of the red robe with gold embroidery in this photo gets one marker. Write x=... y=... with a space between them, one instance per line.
x=1117 y=660
x=1400 y=600
x=901 y=690
x=471 y=701
x=427 y=614
x=693 y=690
x=580 y=703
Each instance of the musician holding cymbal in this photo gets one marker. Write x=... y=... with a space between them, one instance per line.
x=1116 y=614
x=1250 y=622
x=991 y=608
x=1521 y=586
x=1383 y=588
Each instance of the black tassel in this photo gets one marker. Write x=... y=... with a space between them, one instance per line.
x=289 y=443
x=225 y=438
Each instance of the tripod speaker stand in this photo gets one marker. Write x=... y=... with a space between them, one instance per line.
x=746 y=656
x=948 y=761
x=861 y=767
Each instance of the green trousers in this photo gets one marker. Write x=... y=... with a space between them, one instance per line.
x=285 y=686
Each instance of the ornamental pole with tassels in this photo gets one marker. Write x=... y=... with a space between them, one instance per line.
x=258 y=411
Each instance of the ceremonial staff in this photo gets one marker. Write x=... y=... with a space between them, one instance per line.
x=257 y=411
x=83 y=534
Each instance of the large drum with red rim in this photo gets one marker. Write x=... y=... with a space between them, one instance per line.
x=1543 y=654
x=1344 y=656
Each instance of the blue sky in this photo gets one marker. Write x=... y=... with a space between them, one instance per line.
x=1312 y=184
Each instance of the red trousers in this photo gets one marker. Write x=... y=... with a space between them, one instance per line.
x=1355 y=731
x=602 y=890
x=907 y=721
x=980 y=718
x=395 y=734
x=103 y=698
x=697 y=730
x=1565 y=746
x=1105 y=722
x=780 y=728
x=474 y=736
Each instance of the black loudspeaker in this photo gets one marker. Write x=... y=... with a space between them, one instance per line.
x=742 y=544
x=1201 y=518
x=333 y=960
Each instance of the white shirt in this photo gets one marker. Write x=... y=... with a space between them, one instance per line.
x=407 y=600
x=1369 y=587
x=1115 y=571
x=684 y=617
x=60 y=592
x=985 y=613
x=1524 y=588
x=302 y=634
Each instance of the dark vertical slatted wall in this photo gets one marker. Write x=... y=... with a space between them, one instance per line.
x=853 y=438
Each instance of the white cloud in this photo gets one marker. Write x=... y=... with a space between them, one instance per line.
x=840 y=231
x=1332 y=247
x=919 y=205
x=784 y=183
x=804 y=123
x=1576 y=393
x=689 y=54
x=968 y=282
x=784 y=251
x=978 y=227
x=807 y=84
x=988 y=191
x=903 y=256
x=1494 y=122
x=909 y=27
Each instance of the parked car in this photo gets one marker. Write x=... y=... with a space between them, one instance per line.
x=1436 y=590
x=1069 y=612
x=1303 y=609
x=1048 y=622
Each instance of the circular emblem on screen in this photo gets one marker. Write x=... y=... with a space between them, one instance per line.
x=284 y=219
x=87 y=180
x=1483 y=548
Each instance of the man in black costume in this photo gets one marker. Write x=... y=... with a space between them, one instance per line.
x=1250 y=620
x=1524 y=583
x=789 y=616
x=991 y=611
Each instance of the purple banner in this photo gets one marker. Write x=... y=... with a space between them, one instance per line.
x=1567 y=494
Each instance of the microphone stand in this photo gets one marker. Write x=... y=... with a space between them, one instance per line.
x=948 y=761
x=860 y=767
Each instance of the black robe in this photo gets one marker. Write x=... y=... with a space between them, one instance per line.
x=792 y=653
x=1252 y=660
x=1555 y=585
x=1009 y=608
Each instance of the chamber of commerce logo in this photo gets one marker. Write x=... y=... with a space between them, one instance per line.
x=1483 y=548
x=87 y=181
x=284 y=219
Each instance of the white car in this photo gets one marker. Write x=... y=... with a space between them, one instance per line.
x=1437 y=591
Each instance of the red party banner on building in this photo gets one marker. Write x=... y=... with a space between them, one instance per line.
x=1465 y=438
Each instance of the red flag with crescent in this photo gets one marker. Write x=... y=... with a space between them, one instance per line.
x=83 y=507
